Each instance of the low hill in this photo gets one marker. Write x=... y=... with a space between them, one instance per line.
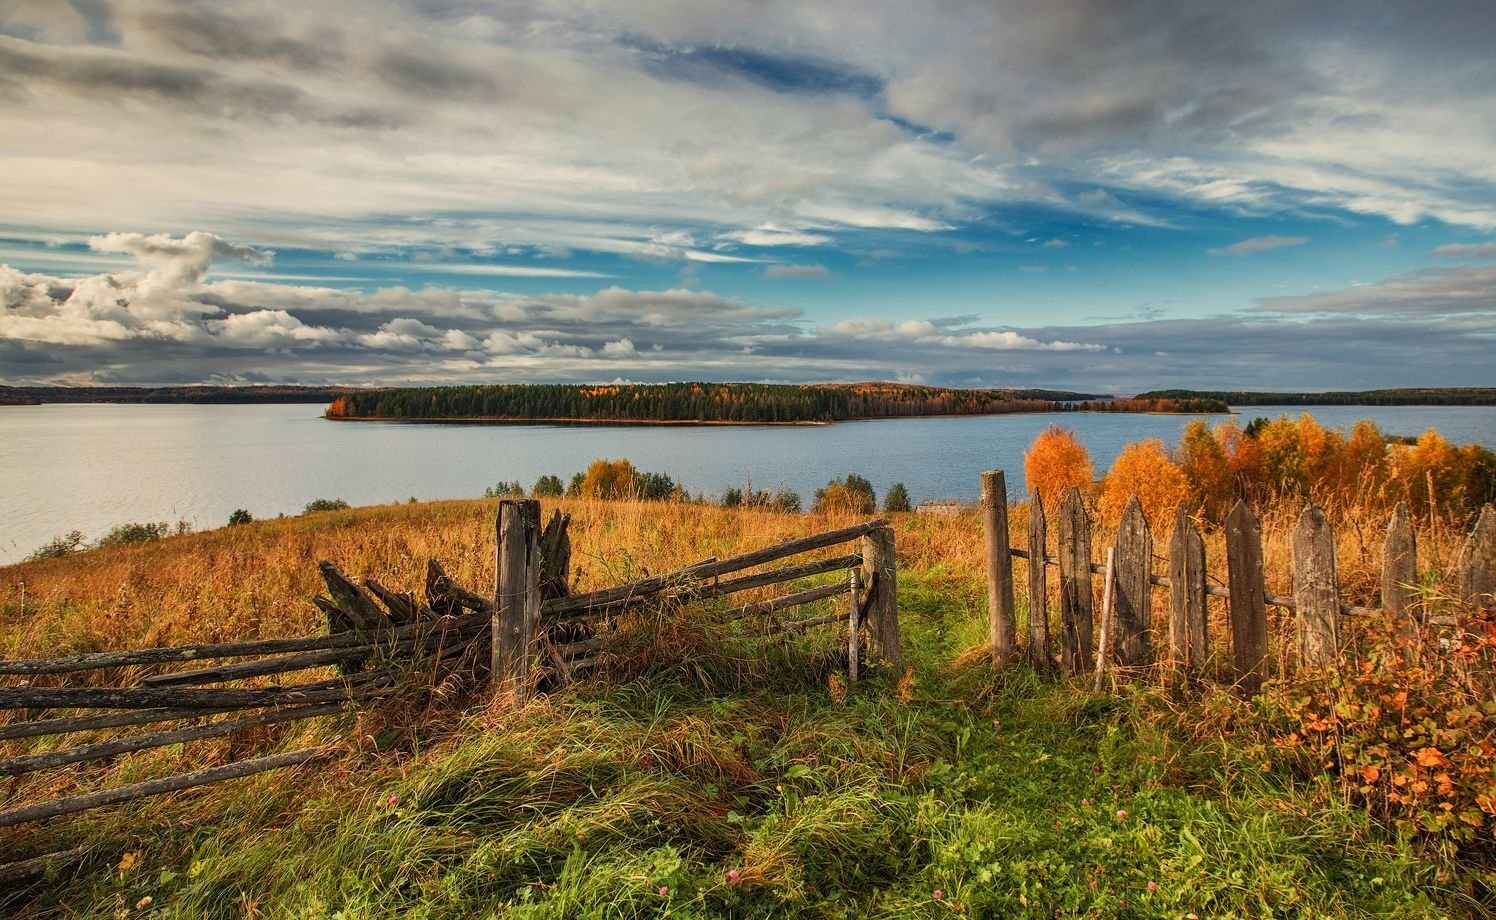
x=35 y=396
x=1419 y=396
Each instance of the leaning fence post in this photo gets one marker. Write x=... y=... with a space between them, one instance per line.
x=1038 y=588
x=1247 y=596
x=516 y=595
x=1132 y=616
x=1315 y=595
x=1189 y=640
x=999 y=566
x=880 y=574
x=1075 y=584
x=1399 y=570
x=1478 y=561
x=854 y=641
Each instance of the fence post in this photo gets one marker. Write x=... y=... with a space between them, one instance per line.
x=1315 y=594
x=1399 y=570
x=1132 y=617
x=1478 y=561
x=999 y=566
x=1189 y=640
x=1248 y=596
x=854 y=641
x=1075 y=584
x=516 y=595
x=880 y=574
x=1038 y=588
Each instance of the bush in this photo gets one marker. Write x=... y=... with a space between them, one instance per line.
x=325 y=504
x=126 y=534
x=574 y=488
x=505 y=490
x=850 y=495
x=1055 y=463
x=897 y=498
x=240 y=516
x=655 y=486
x=548 y=486
x=1145 y=470
x=787 y=500
x=732 y=498
x=58 y=547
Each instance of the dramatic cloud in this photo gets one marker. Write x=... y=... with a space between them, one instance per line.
x=1467 y=251
x=1469 y=290
x=1258 y=244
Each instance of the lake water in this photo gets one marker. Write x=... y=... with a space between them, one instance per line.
x=90 y=467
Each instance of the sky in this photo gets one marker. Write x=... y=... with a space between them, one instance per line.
x=1104 y=196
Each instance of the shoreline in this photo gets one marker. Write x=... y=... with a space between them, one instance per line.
x=488 y=420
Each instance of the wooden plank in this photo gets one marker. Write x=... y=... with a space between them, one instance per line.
x=1108 y=592
x=1400 y=571
x=10 y=873
x=1076 y=611
x=16 y=766
x=354 y=601
x=555 y=557
x=1133 y=615
x=1248 y=596
x=698 y=590
x=1189 y=641
x=171 y=655
x=707 y=569
x=797 y=599
x=1038 y=589
x=73 y=804
x=1315 y=592
x=170 y=697
x=516 y=596
x=1477 y=565
x=854 y=643
x=67 y=725
x=1000 y=629
x=881 y=612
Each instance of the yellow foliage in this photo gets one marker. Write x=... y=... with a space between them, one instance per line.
x=1145 y=470
x=1055 y=462
x=610 y=479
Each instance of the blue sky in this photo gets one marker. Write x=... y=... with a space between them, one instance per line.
x=1095 y=195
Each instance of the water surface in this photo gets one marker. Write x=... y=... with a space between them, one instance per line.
x=90 y=467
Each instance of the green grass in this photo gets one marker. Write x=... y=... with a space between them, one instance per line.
x=1007 y=795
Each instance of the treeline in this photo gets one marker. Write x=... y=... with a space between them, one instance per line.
x=718 y=402
x=35 y=396
x=1416 y=396
x=1270 y=463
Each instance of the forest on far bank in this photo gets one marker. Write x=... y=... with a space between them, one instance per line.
x=744 y=403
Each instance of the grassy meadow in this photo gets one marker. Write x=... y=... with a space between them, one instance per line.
x=709 y=772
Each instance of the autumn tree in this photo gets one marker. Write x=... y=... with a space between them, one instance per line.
x=610 y=479
x=850 y=495
x=1203 y=462
x=1055 y=462
x=897 y=498
x=1145 y=470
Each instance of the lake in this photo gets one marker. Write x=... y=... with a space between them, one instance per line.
x=90 y=467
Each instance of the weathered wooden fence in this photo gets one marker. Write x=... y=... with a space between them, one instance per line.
x=1131 y=639
x=544 y=634
x=531 y=634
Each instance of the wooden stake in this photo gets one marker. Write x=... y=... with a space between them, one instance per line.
x=1400 y=571
x=854 y=585
x=880 y=574
x=1189 y=641
x=999 y=567
x=1109 y=579
x=1038 y=589
x=1076 y=604
x=1315 y=595
x=516 y=596
x=1248 y=596
x=1132 y=618
x=1478 y=561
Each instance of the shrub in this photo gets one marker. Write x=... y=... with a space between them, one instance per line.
x=574 y=488
x=787 y=500
x=655 y=487
x=548 y=486
x=240 y=516
x=610 y=479
x=1145 y=470
x=325 y=504
x=505 y=490
x=897 y=498
x=126 y=534
x=1203 y=462
x=732 y=498
x=58 y=547
x=1054 y=463
x=849 y=495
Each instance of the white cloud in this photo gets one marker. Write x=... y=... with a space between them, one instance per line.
x=1257 y=244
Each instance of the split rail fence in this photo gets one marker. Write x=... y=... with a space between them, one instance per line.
x=531 y=634
x=1128 y=635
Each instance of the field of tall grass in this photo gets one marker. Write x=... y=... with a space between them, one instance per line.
x=714 y=774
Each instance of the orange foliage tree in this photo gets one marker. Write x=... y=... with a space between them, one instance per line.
x=1055 y=462
x=610 y=479
x=1203 y=462
x=1145 y=470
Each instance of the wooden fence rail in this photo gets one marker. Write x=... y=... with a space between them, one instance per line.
x=1315 y=599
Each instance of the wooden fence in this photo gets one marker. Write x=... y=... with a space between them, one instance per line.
x=1130 y=638
x=532 y=633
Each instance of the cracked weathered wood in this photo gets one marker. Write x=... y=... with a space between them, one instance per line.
x=1076 y=605
x=1478 y=561
x=1189 y=640
x=1248 y=596
x=1315 y=593
x=1400 y=571
x=881 y=611
x=1000 y=613
x=1038 y=588
x=1132 y=613
x=516 y=617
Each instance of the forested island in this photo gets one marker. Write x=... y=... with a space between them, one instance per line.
x=36 y=396
x=1414 y=396
x=721 y=403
